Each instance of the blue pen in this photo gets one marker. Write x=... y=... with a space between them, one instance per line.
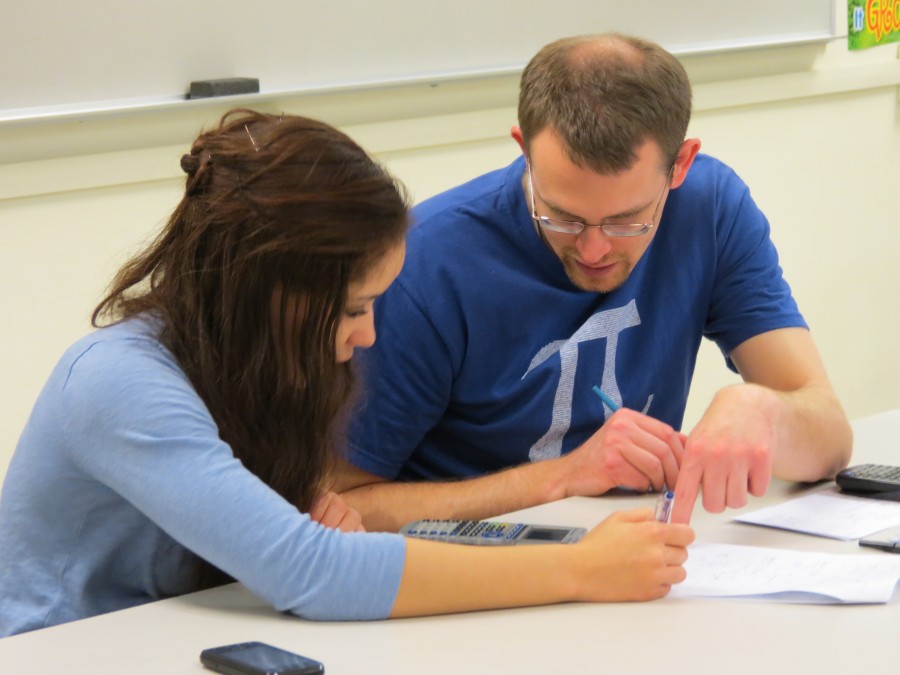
x=664 y=506
x=606 y=399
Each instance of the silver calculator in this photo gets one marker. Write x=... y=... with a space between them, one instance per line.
x=491 y=533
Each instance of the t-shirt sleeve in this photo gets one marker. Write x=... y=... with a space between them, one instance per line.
x=407 y=380
x=155 y=444
x=750 y=295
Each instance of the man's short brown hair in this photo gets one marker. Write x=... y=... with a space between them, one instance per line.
x=606 y=95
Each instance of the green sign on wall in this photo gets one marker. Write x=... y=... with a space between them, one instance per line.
x=872 y=22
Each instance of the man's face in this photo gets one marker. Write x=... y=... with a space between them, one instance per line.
x=593 y=260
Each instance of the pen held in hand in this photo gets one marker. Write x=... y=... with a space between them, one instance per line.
x=664 y=506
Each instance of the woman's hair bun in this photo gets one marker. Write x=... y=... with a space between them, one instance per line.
x=190 y=164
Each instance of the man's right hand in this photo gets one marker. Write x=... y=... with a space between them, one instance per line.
x=630 y=450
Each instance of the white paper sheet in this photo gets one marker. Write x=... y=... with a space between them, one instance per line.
x=726 y=570
x=828 y=514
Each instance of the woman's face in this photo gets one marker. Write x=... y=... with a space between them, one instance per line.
x=357 y=327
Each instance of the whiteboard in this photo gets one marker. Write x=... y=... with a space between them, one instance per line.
x=86 y=53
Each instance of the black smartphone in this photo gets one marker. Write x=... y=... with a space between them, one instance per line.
x=258 y=658
x=885 y=540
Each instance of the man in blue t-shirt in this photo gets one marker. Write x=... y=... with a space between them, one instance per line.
x=541 y=339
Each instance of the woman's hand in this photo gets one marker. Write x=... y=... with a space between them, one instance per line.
x=631 y=556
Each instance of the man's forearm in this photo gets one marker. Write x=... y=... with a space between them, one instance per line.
x=814 y=436
x=387 y=506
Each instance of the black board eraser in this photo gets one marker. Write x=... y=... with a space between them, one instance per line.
x=228 y=86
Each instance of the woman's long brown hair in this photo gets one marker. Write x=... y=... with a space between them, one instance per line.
x=249 y=282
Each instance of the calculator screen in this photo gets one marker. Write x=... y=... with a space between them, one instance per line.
x=545 y=534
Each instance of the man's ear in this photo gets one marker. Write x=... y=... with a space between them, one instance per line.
x=683 y=162
x=516 y=133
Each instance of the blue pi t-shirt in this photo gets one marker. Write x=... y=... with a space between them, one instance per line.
x=487 y=353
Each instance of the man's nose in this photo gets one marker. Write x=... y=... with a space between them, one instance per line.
x=593 y=243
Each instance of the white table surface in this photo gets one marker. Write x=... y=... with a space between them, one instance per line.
x=668 y=636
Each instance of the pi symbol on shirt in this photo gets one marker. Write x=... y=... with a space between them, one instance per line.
x=604 y=325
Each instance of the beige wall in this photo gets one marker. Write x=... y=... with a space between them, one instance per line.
x=815 y=131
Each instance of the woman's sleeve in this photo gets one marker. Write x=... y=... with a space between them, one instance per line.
x=155 y=444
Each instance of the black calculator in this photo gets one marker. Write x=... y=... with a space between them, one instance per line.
x=872 y=480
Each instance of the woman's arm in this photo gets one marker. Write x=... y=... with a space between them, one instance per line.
x=628 y=557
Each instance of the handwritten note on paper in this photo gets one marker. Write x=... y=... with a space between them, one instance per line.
x=726 y=570
x=828 y=514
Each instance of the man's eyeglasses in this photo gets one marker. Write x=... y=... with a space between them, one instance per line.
x=612 y=227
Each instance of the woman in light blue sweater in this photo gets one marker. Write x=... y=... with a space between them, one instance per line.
x=188 y=440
